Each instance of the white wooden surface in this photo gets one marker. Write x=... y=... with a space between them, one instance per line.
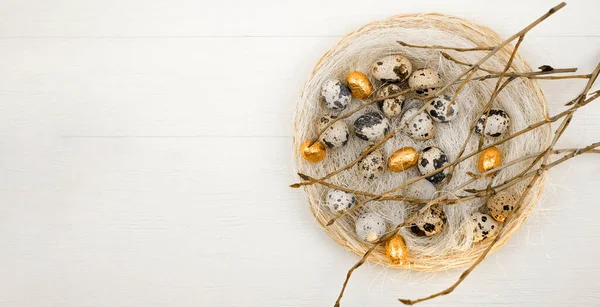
x=145 y=154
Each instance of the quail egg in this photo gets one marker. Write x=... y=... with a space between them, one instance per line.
x=421 y=126
x=336 y=95
x=431 y=159
x=392 y=68
x=336 y=135
x=497 y=123
x=437 y=108
x=370 y=227
x=339 y=201
x=425 y=82
x=371 y=127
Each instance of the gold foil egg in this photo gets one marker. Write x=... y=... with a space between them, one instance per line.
x=403 y=159
x=359 y=85
x=314 y=153
x=489 y=159
x=395 y=250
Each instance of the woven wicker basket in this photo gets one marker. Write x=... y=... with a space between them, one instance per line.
x=357 y=51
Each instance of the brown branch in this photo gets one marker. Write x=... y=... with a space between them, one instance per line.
x=490 y=54
x=449 y=57
x=460 y=87
x=439 y=200
x=354 y=267
x=466 y=273
x=532 y=74
x=536 y=175
x=486 y=109
x=574 y=153
x=445 y=47
x=510 y=137
x=560 y=77
x=561 y=151
x=497 y=89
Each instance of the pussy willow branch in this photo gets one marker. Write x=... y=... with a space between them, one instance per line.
x=466 y=273
x=574 y=152
x=363 y=154
x=475 y=66
x=446 y=47
x=485 y=110
x=537 y=75
x=492 y=75
x=491 y=189
x=497 y=90
x=514 y=135
x=530 y=75
x=389 y=234
x=445 y=87
x=397 y=189
x=458 y=199
x=438 y=200
x=460 y=87
x=490 y=54
x=449 y=57
x=536 y=175
x=499 y=86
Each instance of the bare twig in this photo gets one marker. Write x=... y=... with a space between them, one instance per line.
x=354 y=267
x=535 y=75
x=475 y=66
x=449 y=57
x=460 y=87
x=466 y=273
x=510 y=137
x=446 y=47
x=536 y=175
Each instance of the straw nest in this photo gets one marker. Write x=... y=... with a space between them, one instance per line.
x=523 y=100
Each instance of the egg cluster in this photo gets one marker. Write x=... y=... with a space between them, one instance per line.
x=396 y=81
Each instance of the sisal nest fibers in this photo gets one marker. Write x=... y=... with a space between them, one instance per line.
x=522 y=99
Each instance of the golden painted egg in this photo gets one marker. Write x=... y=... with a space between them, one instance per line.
x=314 y=153
x=395 y=249
x=403 y=159
x=489 y=159
x=359 y=84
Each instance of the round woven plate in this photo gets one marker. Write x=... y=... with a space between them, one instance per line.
x=522 y=99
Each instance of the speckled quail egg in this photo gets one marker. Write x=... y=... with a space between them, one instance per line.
x=336 y=135
x=425 y=82
x=496 y=125
x=336 y=94
x=392 y=68
x=370 y=227
x=484 y=226
x=339 y=201
x=390 y=107
x=373 y=165
x=501 y=205
x=421 y=127
x=431 y=159
x=429 y=222
x=421 y=189
x=437 y=108
x=371 y=127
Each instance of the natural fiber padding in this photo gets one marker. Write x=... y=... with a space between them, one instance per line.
x=522 y=99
